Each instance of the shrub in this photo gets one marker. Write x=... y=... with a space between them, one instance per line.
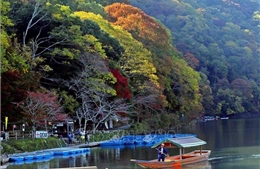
x=27 y=145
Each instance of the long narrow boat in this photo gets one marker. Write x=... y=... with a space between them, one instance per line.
x=178 y=160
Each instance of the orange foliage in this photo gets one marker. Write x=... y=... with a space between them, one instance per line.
x=191 y=60
x=141 y=25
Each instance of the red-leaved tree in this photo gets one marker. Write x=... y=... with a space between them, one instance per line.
x=121 y=85
x=41 y=108
x=14 y=87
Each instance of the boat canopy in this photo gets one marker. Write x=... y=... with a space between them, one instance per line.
x=181 y=142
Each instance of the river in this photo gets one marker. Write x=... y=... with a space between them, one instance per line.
x=234 y=144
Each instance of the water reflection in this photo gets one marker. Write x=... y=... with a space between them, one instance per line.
x=235 y=144
x=57 y=162
x=70 y=161
x=201 y=165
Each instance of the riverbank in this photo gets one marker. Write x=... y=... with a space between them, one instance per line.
x=28 y=145
x=245 y=115
x=4 y=156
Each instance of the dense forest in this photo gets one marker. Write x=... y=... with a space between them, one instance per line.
x=153 y=63
x=220 y=40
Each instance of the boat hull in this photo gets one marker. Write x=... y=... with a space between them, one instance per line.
x=176 y=161
x=161 y=165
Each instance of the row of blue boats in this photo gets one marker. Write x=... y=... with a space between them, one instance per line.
x=125 y=141
x=145 y=140
x=46 y=155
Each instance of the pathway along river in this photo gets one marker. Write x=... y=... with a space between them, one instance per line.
x=235 y=144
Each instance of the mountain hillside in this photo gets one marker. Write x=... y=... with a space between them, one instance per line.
x=154 y=64
x=96 y=62
x=219 y=39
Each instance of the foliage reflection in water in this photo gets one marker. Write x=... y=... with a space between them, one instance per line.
x=235 y=144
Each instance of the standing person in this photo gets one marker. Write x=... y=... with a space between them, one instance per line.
x=162 y=152
x=3 y=134
x=86 y=138
x=70 y=138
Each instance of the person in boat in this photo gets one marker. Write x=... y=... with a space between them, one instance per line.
x=162 y=152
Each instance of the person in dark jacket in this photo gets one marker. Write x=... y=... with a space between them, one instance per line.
x=3 y=134
x=70 y=136
x=162 y=152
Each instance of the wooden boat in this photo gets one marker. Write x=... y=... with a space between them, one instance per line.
x=178 y=160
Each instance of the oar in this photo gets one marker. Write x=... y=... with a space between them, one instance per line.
x=167 y=155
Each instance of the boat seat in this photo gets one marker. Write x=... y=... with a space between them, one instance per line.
x=167 y=160
x=188 y=156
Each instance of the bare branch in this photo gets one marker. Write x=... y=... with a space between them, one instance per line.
x=40 y=108
x=47 y=48
x=31 y=23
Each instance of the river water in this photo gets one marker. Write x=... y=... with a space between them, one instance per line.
x=234 y=144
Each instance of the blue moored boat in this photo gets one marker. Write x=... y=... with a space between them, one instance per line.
x=61 y=152
x=16 y=158
x=114 y=142
x=28 y=157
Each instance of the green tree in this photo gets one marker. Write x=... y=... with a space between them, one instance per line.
x=230 y=102
x=206 y=94
x=185 y=86
x=11 y=59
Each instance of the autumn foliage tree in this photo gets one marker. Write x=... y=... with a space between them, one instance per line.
x=121 y=85
x=14 y=87
x=40 y=108
x=142 y=27
x=191 y=60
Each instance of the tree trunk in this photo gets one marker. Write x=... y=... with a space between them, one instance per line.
x=33 y=131
x=46 y=125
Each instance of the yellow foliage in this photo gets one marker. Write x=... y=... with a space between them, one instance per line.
x=4 y=39
x=97 y=45
x=65 y=8
x=57 y=16
x=256 y=15
x=87 y=15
